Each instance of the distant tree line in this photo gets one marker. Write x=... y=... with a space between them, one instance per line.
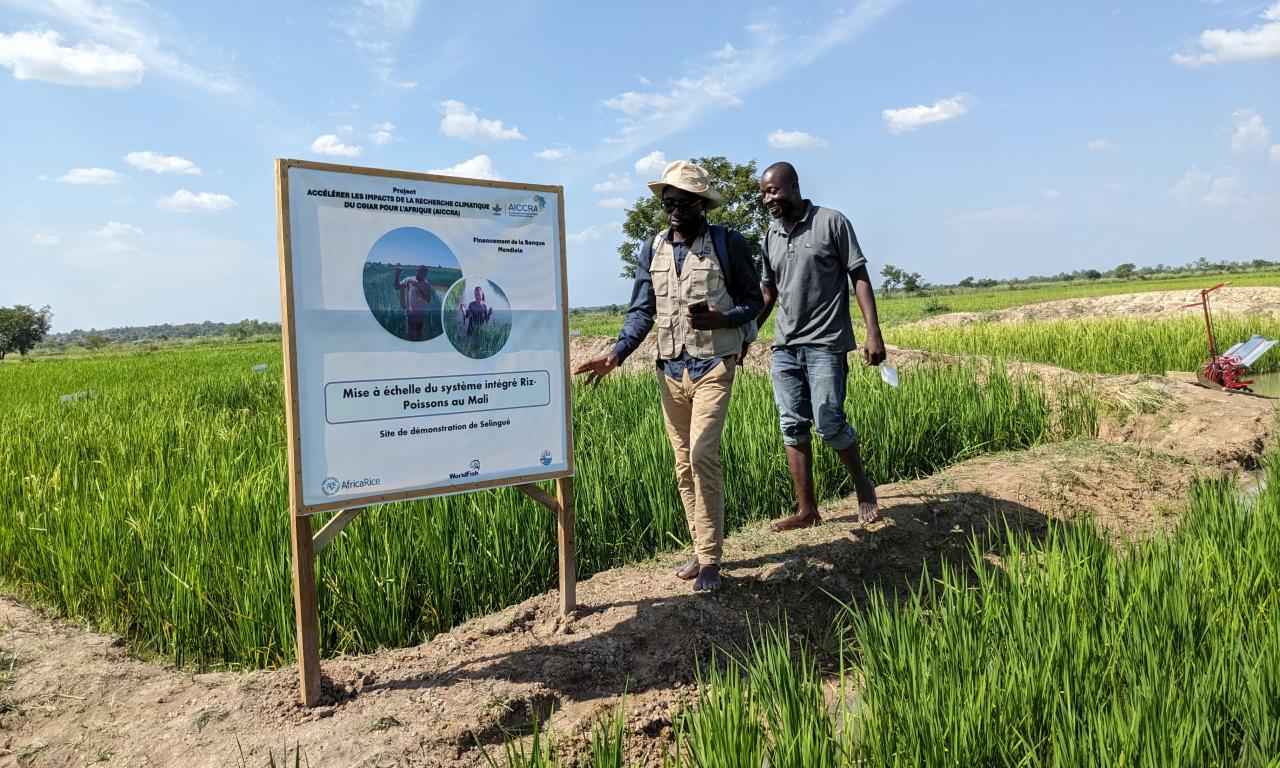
x=896 y=279
x=94 y=338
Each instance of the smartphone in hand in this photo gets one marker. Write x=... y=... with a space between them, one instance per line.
x=698 y=307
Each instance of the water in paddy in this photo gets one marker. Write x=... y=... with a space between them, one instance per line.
x=1266 y=384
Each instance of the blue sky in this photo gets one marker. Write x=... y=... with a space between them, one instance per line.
x=961 y=138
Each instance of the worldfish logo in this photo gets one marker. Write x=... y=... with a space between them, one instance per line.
x=472 y=471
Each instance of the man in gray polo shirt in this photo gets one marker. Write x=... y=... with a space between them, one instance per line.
x=809 y=254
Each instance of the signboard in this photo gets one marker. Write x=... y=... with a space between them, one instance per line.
x=426 y=334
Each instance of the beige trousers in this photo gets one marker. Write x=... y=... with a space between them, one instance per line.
x=694 y=412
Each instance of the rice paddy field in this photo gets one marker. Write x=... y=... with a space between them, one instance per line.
x=152 y=504
x=156 y=508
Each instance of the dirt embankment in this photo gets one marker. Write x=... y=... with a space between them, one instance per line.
x=1162 y=304
x=72 y=697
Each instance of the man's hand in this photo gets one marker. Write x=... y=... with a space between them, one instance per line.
x=597 y=367
x=737 y=360
x=711 y=320
x=873 y=348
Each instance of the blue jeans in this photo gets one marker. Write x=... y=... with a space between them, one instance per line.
x=809 y=388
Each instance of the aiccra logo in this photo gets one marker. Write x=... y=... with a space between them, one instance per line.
x=529 y=209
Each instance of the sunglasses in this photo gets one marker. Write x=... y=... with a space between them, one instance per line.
x=687 y=205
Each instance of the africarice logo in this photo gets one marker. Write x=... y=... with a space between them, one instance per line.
x=332 y=485
x=471 y=472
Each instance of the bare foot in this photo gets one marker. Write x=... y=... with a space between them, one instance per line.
x=798 y=520
x=689 y=570
x=868 y=506
x=708 y=579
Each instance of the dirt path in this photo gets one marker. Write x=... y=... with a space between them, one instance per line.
x=69 y=697
x=1164 y=304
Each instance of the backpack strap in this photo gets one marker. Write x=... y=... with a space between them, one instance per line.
x=720 y=242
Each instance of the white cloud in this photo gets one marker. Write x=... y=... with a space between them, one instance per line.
x=158 y=163
x=461 y=122
x=595 y=232
x=113 y=230
x=382 y=134
x=552 y=153
x=1101 y=145
x=132 y=35
x=1251 y=135
x=1275 y=153
x=478 y=167
x=1049 y=193
x=44 y=241
x=722 y=78
x=1219 y=46
x=911 y=118
x=374 y=27
x=617 y=182
x=1199 y=189
x=184 y=201
x=38 y=56
x=330 y=144
x=781 y=139
x=653 y=163
x=613 y=202
x=97 y=176
x=725 y=53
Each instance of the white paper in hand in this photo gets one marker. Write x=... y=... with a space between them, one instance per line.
x=889 y=374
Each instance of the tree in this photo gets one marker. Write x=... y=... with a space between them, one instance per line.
x=911 y=282
x=1124 y=271
x=95 y=341
x=22 y=327
x=742 y=210
x=892 y=278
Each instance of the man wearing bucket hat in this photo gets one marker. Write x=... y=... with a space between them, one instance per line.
x=695 y=282
x=810 y=256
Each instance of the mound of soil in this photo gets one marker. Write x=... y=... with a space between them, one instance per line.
x=72 y=697
x=1167 y=304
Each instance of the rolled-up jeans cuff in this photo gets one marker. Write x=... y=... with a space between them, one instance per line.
x=843 y=440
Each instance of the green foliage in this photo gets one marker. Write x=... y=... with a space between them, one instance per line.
x=1076 y=652
x=22 y=327
x=742 y=210
x=158 y=509
x=1105 y=345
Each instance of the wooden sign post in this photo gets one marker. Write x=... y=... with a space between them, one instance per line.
x=388 y=279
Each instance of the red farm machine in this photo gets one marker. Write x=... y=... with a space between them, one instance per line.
x=1227 y=371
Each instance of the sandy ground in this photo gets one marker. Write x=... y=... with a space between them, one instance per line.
x=70 y=697
x=1167 y=304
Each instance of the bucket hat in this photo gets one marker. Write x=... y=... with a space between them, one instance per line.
x=690 y=177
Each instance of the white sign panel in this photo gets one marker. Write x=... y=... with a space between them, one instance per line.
x=426 y=326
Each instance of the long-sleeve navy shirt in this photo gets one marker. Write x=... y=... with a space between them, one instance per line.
x=744 y=287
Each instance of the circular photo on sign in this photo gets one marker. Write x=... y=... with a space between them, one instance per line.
x=477 y=317
x=406 y=275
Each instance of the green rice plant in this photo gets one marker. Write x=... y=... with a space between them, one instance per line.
x=1076 y=652
x=157 y=508
x=1104 y=345
x=608 y=738
x=540 y=752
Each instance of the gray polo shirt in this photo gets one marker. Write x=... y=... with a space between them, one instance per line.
x=810 y=269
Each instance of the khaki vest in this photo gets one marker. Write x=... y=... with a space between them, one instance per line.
x=700 y=279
